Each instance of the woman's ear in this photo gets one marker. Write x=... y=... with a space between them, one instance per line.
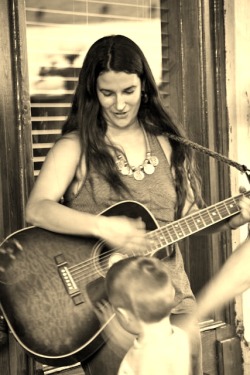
x=143 y=84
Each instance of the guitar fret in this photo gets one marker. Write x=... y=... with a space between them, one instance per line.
x=195 y=222
x=192 y=224
x=214 y=214
x=158 y=241
x=207 y=217
x=162 y=240
x=222 y=208
x=172 y=232
x=233 y=207
x=167 y=236
x=199 y=220
x=185 y=226
x=178 y=229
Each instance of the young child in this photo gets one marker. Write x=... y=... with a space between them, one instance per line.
x=142 y=296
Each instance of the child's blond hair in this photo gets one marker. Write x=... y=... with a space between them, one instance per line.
x=141 y=285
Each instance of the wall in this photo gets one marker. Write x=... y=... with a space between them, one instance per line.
x=237 y=31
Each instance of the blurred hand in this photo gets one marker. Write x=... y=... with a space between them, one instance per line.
x=123 y=233
x=117 y=338
x=104 y=312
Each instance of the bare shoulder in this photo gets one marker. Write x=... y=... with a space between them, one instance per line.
x=69 y=140
x=68 y=146
x=165 y=145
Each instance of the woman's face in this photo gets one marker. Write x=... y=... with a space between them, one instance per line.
x=119 y=94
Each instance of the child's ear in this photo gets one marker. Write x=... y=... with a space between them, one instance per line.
x=128 y=321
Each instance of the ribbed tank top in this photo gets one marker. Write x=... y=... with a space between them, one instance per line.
x=157 y=193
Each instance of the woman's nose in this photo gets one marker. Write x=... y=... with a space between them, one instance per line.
x=120 y=103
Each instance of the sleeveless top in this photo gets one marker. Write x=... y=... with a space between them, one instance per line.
x=157 y=193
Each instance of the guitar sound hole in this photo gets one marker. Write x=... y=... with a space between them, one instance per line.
x=104 y=257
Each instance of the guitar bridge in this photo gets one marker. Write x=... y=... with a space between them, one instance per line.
x=68 y=280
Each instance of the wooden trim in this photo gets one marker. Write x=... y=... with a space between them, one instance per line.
x=23 y=103
x=16 y=174
x=197 y=94
x=15 y=125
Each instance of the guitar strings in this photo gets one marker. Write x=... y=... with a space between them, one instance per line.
x=79 y=270
x=85 y=269
x=76 y=269
x=90 y=274
x=97 y=268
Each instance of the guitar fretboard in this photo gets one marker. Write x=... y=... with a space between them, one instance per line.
x=193 y=223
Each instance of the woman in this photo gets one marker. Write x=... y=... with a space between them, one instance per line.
x=114 y=147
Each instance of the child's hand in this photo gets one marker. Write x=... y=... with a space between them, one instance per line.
x=104 y=312
x=117 y=338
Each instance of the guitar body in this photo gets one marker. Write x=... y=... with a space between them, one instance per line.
x=48 y=292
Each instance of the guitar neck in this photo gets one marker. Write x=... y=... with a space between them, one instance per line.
x=194 y=223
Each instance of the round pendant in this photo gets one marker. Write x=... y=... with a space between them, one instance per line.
x=154 y=160
x=120 y=164
x=125 y=170
x=148 y=168
x=138 y=175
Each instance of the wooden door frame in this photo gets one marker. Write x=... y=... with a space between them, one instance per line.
x=16 y=166
x=16 y=170
x=197 y=93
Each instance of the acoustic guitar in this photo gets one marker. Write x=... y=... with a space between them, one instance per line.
x=47 y=294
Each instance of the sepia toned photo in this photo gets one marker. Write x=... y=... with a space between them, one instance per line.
x=124 y=187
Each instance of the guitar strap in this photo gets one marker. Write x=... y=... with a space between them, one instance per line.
x=242 y=168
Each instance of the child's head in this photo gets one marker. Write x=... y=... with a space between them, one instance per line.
x=141 y=286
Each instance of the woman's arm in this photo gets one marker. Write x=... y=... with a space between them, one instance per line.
x=231 y=280
x=45 y=210
x=43 y=207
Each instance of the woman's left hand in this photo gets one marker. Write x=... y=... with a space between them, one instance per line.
x=244 y=216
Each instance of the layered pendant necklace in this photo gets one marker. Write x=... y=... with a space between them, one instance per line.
x=138 y=173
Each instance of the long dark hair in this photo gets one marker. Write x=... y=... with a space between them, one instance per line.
x=120 y=54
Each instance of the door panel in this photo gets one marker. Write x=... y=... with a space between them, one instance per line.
x=197 y=92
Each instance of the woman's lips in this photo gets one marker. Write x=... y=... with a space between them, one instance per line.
x=120 y=114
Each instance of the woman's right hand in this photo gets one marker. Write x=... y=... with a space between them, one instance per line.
x=123 y=233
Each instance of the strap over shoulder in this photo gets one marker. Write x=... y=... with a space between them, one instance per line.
x=242 y=168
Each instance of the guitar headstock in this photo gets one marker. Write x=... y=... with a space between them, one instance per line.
x=8 y=252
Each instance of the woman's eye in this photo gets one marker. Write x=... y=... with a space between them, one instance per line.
x=129 y=92
x=107 y=93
